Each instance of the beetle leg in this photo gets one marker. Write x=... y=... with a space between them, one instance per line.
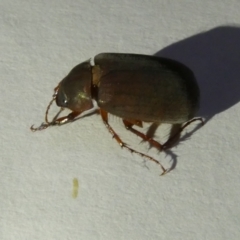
x=40 y=128
x=133 y=122
x=175 y=137
x=56 y=121
x=152 y=142
x=69 y=118
x=104 y=116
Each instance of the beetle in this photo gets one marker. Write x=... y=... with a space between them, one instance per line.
x=136 y=88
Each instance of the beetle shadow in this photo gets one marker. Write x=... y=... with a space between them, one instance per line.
x=175 y=135
x=214 y=57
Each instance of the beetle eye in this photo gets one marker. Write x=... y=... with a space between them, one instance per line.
x=61 y=99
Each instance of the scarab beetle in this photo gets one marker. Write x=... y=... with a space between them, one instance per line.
x=136 y=88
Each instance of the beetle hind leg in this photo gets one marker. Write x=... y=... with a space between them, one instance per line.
x=172 y=140
x=104 y=116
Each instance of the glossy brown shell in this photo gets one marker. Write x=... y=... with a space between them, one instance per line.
x=146 y=88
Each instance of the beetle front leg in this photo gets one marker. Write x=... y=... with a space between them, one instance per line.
x=104 y=116
x=69 y=118
x=56 y=121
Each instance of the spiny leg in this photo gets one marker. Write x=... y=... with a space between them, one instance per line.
x=104 y=116
x=152 y=142
x=69 y=118
x=59 y=121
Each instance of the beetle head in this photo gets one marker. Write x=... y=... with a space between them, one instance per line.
x=74 y=91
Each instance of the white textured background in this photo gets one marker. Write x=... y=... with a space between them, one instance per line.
x=119 y=198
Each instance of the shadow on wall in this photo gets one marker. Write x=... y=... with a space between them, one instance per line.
x=214 y=57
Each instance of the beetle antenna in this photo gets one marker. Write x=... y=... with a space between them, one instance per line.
x=47 y=110
x=47 y=123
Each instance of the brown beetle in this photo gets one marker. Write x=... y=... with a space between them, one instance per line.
x=136 y=88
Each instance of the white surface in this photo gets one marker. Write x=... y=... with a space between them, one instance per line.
x=118 y=197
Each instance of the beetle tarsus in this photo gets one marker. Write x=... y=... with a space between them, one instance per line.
x=40 y=128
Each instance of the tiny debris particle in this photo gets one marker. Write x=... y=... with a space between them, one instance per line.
x=75 y=188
